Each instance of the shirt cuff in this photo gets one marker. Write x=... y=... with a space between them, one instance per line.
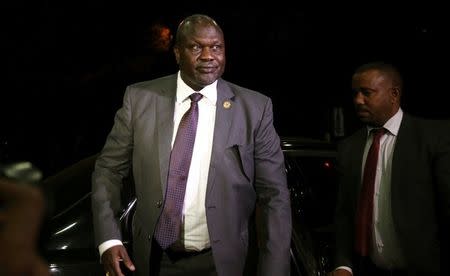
x=107 y=245
x=345 y=268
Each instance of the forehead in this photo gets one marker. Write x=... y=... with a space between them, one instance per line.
x=369 y=78
x=202 y=31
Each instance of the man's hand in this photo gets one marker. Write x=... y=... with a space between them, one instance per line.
x=111 y=259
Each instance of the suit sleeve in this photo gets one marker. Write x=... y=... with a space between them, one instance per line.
x=273 y=199
x=442 y=176
x=112 y=165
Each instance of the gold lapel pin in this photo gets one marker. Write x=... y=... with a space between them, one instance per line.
x=226 y=104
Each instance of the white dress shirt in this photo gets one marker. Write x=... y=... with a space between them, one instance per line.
x=195 y=232
x=385 y=252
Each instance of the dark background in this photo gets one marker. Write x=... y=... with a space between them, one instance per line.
x=67 y=64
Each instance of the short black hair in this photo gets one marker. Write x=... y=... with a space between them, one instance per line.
x=385 y=67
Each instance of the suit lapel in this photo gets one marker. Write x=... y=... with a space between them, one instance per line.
x=402 y=148
x=357 y=157
x=165 y=110
x=224 y=117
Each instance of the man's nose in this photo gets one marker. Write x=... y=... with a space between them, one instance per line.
x=358 y=98
x=206 y=53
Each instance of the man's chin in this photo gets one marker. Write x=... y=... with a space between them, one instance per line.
x=207 y=79
x=364 y=118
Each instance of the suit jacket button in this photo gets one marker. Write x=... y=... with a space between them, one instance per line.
x=159 y=204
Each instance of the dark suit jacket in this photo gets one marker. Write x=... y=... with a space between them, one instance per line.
x=420 y=194
x=247 y=166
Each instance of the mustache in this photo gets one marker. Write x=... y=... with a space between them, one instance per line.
x=362 y=108
x=207 y=64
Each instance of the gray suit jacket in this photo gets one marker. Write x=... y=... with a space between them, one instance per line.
x=247 y=168
x=420 y=194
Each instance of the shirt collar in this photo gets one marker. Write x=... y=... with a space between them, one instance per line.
x=393 y=124
x=209 y=92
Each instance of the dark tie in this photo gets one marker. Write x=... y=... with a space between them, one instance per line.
x=169 y=224
x=364 y=213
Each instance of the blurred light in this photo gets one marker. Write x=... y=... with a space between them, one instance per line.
x=327 y=164
x=65 y=229
x=54 y=269
x=161 y=37
x=23 y=171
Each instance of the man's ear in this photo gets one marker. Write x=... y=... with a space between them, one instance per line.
x=395 y=92
x=176 y=51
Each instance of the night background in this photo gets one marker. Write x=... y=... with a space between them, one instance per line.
x=66 y=64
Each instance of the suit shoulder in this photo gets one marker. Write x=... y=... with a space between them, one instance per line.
x=244 y=92
x=428 y=125
x=352 y=139
x=154 y=84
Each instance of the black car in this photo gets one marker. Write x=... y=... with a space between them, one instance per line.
x=67 y=240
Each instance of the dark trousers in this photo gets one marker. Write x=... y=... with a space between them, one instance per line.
x=181 y=263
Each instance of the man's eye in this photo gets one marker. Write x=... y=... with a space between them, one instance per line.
x=366 y=92
x=196 y=48
x=363 y=92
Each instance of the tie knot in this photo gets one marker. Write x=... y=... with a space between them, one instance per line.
x=195 y=97
x=378 y=132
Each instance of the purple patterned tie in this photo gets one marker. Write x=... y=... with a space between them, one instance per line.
x=169 y=224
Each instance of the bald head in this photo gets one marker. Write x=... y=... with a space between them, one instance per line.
x=190 y=23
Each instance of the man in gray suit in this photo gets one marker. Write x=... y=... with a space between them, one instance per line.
x=409 y=222
x=237 y=164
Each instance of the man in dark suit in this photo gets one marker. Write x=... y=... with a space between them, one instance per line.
x=408 y=221
x=237 y=164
